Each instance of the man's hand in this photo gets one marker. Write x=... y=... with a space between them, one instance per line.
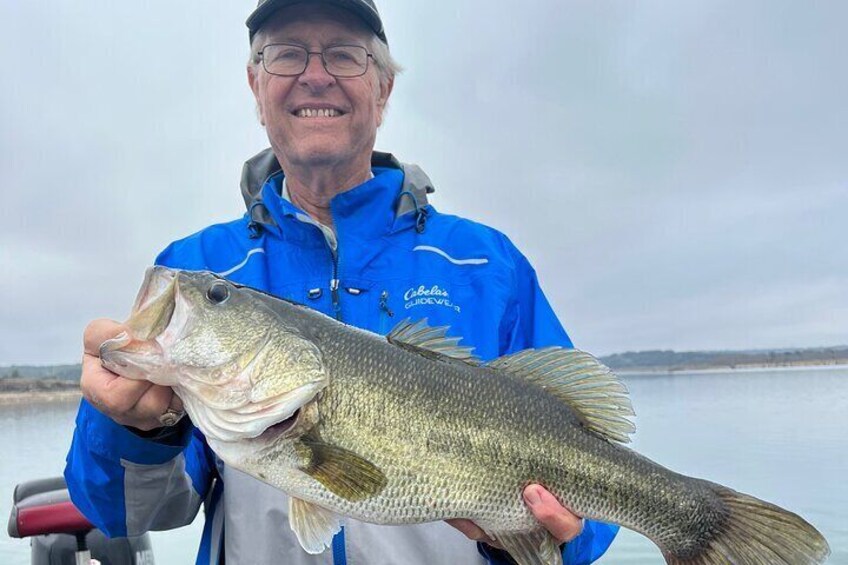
x=130 y=403
x=563 y=524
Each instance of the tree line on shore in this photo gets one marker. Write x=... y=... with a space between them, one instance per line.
x=668 y=360
x=41 y=372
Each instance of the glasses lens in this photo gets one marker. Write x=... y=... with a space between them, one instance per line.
x=284 y=59
x=346 y=60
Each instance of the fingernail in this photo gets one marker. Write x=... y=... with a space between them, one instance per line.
x=531 y=495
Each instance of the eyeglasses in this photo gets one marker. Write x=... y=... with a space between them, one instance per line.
x=343 y=61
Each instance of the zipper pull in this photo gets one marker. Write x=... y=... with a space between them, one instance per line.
x=334 y=293
x=384 y=303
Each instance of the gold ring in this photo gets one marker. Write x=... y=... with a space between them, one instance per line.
x=171 y=417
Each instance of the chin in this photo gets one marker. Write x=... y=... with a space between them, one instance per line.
x=319 y=156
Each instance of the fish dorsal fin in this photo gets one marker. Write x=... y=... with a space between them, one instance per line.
x=314 y=526
x=341 y=471
x=576 y=378
x=421 y=337
x=537 y=547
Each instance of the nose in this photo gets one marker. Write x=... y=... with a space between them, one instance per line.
x=316 y=76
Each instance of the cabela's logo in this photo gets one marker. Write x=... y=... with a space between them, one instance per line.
x=432 y=296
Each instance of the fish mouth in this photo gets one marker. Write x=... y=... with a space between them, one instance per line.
x=155 y=303
x=280 y=428
x=136 y=352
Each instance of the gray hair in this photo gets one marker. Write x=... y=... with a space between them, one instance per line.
x=387 y=67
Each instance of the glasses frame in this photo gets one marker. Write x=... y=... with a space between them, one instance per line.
x=261 y=54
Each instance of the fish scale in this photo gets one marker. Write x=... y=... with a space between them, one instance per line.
x=411 y=428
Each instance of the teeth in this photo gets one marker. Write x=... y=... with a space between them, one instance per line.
x=317 y=113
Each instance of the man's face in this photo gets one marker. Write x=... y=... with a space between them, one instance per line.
x=297 y=138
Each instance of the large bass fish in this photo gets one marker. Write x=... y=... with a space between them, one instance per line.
x=411 y=428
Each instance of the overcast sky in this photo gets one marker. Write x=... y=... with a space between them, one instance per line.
x=676 y=171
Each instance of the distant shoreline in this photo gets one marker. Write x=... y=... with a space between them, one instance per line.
x=13 y=398
x=740 y=368
x=33 y=391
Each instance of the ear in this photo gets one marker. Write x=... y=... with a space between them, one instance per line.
x=383 y=99
x=253 y=81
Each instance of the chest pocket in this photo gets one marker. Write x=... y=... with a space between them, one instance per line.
x=472 y=307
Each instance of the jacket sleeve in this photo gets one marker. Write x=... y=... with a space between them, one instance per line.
x=127 y=485
x=532 y=323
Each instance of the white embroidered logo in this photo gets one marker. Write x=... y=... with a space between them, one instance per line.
x=433 y=296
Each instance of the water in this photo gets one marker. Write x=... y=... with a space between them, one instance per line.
x=779 y=435
x=36 y=439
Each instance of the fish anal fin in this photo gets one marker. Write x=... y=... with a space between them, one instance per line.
x=313 y=525
x=537 y=547
x=597 y=396
x=430 y=341
x=342 y=472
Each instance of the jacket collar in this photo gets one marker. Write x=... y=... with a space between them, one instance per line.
x=366 y=211
x=262 y=167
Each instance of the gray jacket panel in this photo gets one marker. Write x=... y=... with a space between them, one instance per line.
x=257 y=532
x=158 y=497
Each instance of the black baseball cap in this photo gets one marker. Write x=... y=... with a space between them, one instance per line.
x=365 y=9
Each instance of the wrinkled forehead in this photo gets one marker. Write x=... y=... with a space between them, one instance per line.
x=312 y=23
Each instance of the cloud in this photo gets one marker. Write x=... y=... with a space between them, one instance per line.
x=675 y=172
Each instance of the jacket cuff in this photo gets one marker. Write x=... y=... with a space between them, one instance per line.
x=494 y=555
x=167 y=435
x=107 y=438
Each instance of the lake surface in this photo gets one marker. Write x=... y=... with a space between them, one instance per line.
x=781 y=435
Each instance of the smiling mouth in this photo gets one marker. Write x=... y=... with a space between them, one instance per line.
x=318 y=113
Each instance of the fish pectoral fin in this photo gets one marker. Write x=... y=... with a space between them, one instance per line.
x=537 y=547
x=597 y=397
x=313 y=525
x=342 y=472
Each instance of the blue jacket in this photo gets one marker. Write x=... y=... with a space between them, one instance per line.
x=397 y=257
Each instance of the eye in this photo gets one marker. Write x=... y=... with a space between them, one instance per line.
x=339 y=56
x=218 y=293
x=289 y=54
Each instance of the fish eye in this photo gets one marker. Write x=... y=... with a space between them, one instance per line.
x=218 y=293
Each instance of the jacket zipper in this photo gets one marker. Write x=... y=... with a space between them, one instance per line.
x=334 y=282
x=339 y=549
x=385 y=312
x=334 y=292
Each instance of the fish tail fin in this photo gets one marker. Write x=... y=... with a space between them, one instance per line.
x=755 y=532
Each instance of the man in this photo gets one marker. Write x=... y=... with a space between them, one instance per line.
x=350 y=233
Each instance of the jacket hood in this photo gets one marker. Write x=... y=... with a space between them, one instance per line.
x=259 y=168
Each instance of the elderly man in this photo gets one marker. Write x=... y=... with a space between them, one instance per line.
x=350 y=233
